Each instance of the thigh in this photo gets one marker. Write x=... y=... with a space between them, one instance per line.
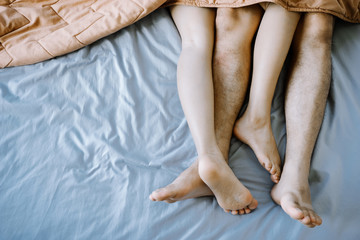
x=195 y=25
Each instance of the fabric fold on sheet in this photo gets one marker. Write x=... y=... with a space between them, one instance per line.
x=86 y=137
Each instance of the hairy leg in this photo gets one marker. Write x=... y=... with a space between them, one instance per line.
x=271 y=47
x=235 y=29
x=196 y=94
x=306 y=95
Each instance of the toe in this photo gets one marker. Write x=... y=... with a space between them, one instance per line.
x=297 y=214
x=241 y=211
x=306 y=220
x=274 y=178
x=318 y=220
x=234 y=212
x=268 y=165
x=166 y=194
x=152 y=198
x=275 y=171
x=247 y=210
x=294 y=212
x=312 y=217
x=158 y=195
x=226 y=210
x=253 y=204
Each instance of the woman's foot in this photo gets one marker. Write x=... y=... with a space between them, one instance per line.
x=258 y=135
x=293 y=195
x=230 y=193
x=187 y=185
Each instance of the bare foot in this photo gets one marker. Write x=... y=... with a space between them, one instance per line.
x=294 y=198
x=230 y=193
x=187 y=185
x=258 y=135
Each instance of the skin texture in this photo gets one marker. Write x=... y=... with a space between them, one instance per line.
x=231 y=66
x=195 y=86
x=305 y=100
x=271 y=47
x=194 y=73
x=306 y=94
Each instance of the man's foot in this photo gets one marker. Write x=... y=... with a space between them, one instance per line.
x=258 y=135
x=294 y=198
x=187 y=185
x=230 y=193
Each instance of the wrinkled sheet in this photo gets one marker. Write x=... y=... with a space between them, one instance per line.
x=86 y=137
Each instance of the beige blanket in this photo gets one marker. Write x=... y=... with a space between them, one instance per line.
x=35 y=30
x=348 y=10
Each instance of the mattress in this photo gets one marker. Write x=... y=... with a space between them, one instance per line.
x=86 y=137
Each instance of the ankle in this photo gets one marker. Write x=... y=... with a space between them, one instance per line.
x=256 y=119
x=209 y=156
x=297 y=167
x=211 y=150
x=295 y=177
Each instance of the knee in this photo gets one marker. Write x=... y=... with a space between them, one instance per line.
x=317 y=29
x=237 y=25
x=197 y=43
x=201 y=40
x=227 y=19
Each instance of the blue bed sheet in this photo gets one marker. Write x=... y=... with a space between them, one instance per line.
x=86 y=137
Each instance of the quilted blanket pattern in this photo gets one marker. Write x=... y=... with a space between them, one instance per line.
x=35 y=30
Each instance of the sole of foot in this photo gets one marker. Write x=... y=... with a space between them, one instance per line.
x=258 y=135
x=230 y=193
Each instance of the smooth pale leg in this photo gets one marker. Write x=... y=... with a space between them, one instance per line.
x=197 y=98
x=271 y=47
x=235 y=29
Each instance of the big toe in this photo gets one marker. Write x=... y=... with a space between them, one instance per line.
x=275 y=173
x=253 y=204
x=160 y=195
x=306 y=221
x=266 y=163
x=315 y=219
x=293 y=210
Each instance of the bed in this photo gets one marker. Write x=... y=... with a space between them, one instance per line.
x=86 y=137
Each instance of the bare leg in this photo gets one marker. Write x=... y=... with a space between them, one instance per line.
x=272 y=44
x=306 y=95
x=235 y=29
x=197 y=98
